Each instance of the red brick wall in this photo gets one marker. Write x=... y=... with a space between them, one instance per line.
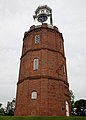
x=49 y=80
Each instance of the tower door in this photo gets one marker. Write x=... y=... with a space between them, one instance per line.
x=67 y=108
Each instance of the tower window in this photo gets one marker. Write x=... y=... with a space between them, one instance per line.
x=35 y=66
x=34 y=95
x=42 y=11
x=47 y=11
x=64 y=69
x=37 y=39
x=67 y=108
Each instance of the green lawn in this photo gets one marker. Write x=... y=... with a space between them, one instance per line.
x=41 y=118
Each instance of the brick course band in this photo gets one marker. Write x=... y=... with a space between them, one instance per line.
x=42 y=76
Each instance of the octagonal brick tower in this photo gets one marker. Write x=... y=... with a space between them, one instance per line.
x=42 y=88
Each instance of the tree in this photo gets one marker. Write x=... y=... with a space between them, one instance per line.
x=9 y=110
x=80 y=106
x=0 y=105
x=1 y=110
x=72 y=101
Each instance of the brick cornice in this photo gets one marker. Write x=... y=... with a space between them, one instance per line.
x=42 y=48
x=39 y=27
x=42 y=76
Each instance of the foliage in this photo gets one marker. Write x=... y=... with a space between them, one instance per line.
x=80 y=106
x=0 y=105
x=42 y=118
x=1 y=110
x=9 y=110
x=72 y=102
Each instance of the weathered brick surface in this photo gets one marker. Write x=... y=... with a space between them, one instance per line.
x=50 y=80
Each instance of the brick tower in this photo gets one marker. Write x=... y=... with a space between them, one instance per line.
x=42 y=88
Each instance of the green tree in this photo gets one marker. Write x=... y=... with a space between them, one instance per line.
x=72 y=102
x=81 y=107
x=1 y=110
x=10 y=108
x=0 y=105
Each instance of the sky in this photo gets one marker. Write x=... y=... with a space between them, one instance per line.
x=16 y=17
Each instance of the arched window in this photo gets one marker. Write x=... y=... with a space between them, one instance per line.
x=42 y=11
x=37 y=39
x=67 y=108
x=35 y=64
x=34 y=95
x=64 y=69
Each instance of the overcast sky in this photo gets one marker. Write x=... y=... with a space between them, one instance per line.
x=16 y=18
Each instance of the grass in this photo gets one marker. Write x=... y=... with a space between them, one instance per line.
x=41 y=118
